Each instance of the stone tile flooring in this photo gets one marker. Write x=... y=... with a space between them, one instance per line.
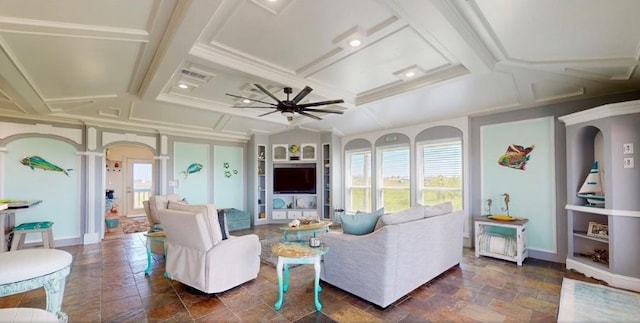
x=107 y=284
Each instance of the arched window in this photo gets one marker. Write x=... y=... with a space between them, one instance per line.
x=393 y=176
x=439 y=176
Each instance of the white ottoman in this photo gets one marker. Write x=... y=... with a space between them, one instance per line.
x=28 y=269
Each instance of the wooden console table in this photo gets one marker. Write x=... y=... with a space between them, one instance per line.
x=8 y=220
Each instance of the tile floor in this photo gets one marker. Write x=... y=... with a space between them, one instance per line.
x=107 y=284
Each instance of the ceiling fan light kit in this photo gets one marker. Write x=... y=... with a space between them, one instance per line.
x=289 y=107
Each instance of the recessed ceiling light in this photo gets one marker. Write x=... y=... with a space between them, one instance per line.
x=410 y=74
x=246 y=101
x=355 y=43
x=183 y=86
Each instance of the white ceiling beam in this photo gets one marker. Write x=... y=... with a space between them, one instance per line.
x=441 y=20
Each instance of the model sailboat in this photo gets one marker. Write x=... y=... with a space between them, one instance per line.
x=592 y=189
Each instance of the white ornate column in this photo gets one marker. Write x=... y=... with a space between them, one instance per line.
x=3 y=152
x=94 y=198
x=163 y=158
x=162 y=174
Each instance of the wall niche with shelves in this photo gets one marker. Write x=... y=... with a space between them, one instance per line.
x=294 y=206
x=599 y=135
x=261 y=206
x=326 y=182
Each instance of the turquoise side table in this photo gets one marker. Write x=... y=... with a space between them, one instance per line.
x=297 y=253
x=158 y=236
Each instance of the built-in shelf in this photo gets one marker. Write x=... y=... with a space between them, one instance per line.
x=592 y=136
x=261 y=184
x=327 y=210
x=583 y=234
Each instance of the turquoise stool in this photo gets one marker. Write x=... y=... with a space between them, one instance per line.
x=19 y=233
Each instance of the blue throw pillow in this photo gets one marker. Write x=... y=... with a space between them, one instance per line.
x=360 y=223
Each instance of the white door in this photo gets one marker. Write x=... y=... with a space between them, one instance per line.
x=139 y=184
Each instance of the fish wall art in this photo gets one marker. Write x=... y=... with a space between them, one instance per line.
x=192 y=169
x=38 y=162
x=515 y=157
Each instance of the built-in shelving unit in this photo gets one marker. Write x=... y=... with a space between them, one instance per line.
x=604 y=134
x=294 y=205
x=326 y=182
x=261 y=185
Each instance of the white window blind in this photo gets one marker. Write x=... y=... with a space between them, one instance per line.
x=441 y=178
x=359 y=181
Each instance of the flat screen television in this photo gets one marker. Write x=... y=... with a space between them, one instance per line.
x=294 y=180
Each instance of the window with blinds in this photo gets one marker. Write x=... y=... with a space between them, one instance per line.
x=441 y=172
x=358 y=186
x=394 y=180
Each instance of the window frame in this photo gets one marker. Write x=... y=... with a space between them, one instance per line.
x=348 y=179
x=379 y=172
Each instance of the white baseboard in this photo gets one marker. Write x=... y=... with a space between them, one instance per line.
x=91 y=238
x=615 y=280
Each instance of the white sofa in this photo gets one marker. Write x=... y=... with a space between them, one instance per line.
x=405 y=251
x=198 y=254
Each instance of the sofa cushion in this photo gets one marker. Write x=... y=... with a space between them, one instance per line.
x=410 y=214
x=360 y=223
x=210 y=213
x=438 y=209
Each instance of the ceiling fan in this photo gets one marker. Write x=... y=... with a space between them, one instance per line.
x=289 y=107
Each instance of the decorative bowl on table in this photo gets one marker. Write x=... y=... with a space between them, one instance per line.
x=501 y=217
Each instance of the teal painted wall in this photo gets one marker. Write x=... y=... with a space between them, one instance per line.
x=228 y=189
x=194 y=187
x=59 y=193
x=532 y=191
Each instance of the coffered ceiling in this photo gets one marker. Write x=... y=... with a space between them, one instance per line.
x=120 y=63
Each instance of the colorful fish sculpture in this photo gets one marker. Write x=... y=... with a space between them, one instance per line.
x=193 y=168
x=39 y=162
x=516 y=157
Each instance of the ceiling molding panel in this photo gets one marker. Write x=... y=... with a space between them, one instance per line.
x=552 y=90
x=110 y=112
x=166 y=66
x=358 y=73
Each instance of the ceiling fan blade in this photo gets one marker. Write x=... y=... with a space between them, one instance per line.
x=241 y=107
x=268 y=113
x=323 y=110
x=254 y=100
x=309 y=115
x=315 y=104
x=267 y=92
x=302 y=94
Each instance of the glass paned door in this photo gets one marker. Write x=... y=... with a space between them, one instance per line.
x=139 y=185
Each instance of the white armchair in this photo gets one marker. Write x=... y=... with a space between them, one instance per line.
x=198 y=255
x=155 y=203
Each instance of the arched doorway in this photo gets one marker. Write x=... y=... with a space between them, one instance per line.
x=129 y=179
